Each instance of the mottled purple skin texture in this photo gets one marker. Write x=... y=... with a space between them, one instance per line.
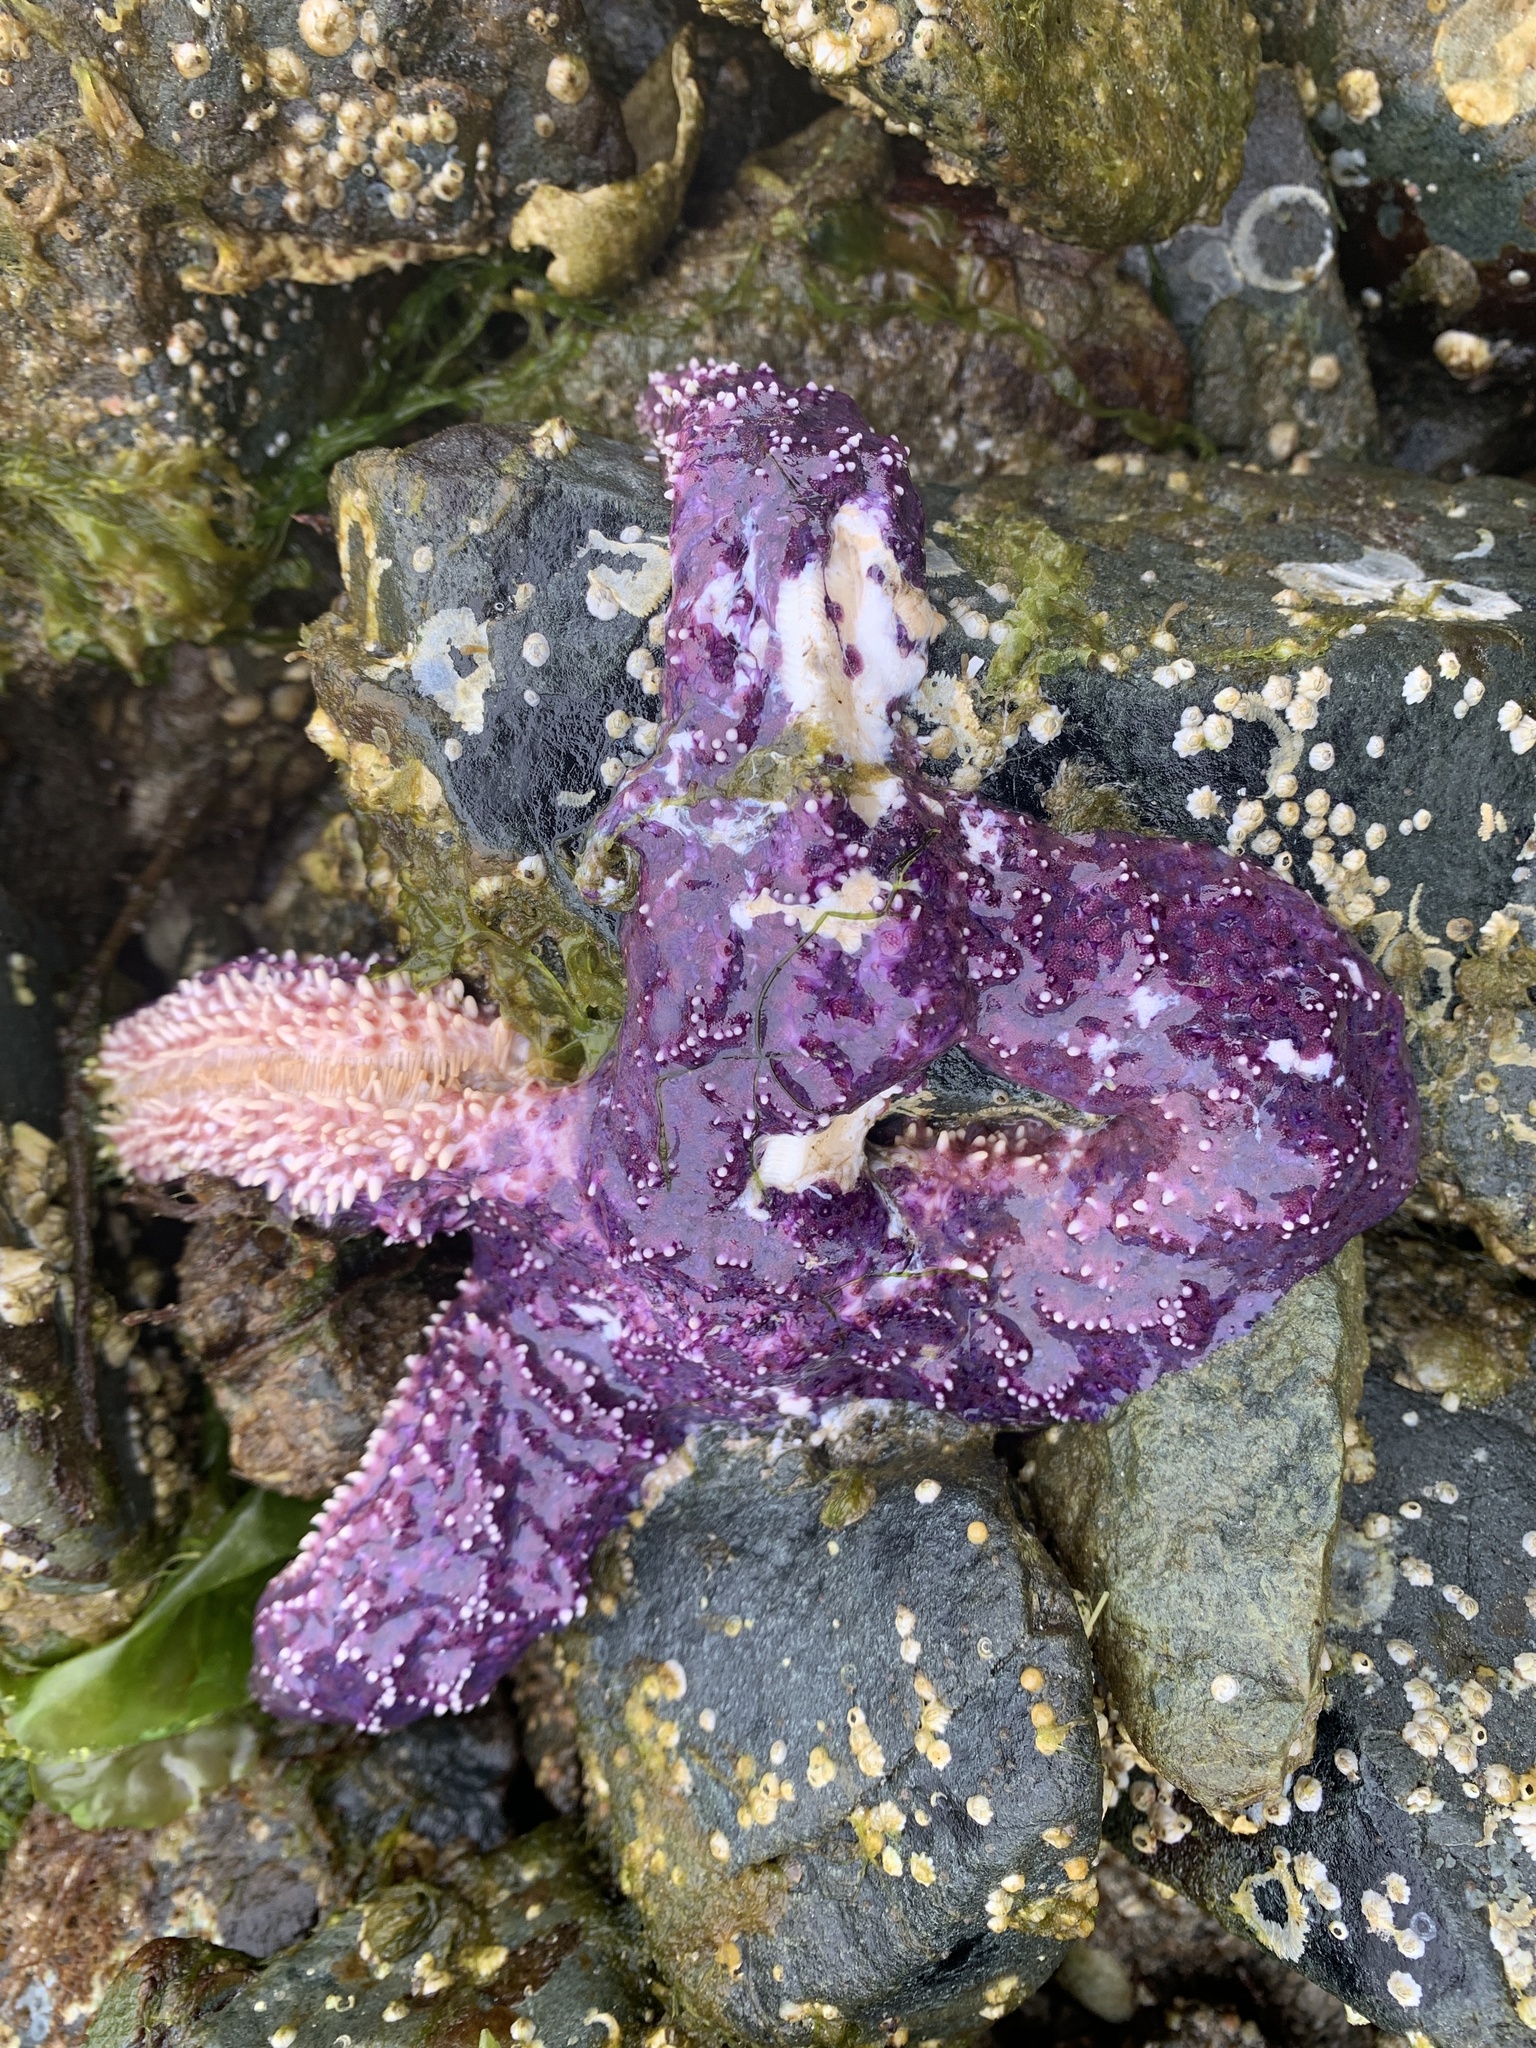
x=812 y=924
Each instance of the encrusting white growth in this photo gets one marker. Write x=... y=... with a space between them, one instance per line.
x=841 y=665
x=323 y=1087
x=832 y=1157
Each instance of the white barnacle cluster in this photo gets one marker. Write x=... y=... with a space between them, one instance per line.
x=320 y=140
x=218 y=346
x=1379 y=1910
x=1289 y=706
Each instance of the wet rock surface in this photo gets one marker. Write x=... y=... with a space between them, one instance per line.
x=1394 y=1872
x=753 y=97
x=1156 y=1967
x=311 y=1820
x=1278 y=365
x=830 y=257
x=1426 y=123
x=518 y=1942
x=838 y=1737
x=1445 y=1320
x=1229 y=1475
x=488 y=695
x=300 y=1341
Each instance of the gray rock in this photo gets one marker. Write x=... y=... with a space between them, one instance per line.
x=1154 y=1950
x=831 y=259
x=838 y=1734
x=29 y=1020
x=1426 y=120
x=1395 y=1871
x=1278 y=365
x=1230 y=1477
x=80 y=1558
x=753 y=98
x=1445 y=1320
x=485 y=692
x=519 y=1942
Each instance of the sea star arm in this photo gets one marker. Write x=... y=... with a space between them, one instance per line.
x=335 y=1091
x=513 y=1444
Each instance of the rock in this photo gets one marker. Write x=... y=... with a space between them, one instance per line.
x=225 y=724
x=519 y=1942
x=1362 y=601
x=487 y=697
x=190 y=276
x=251 y=1865
x=29 y=1019
x=424 y=1794
x=1154 y=1951
x=300 y=1340
x=1229 y=1475
x=837 y=1733
x=606 y=236
x=1431 y=423
x=1426 y=121
x=78 y=1558
x=546 y=1723
x=319 y=903
x=471 y=101
x=1444 y=1320
x=314 y=1817
x=1394 y=1871
x=753 y=98
x=984 y=345
x=1124 y=148
x=1278 y=366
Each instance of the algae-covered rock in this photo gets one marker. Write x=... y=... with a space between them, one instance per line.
x=983 y=345
x=1228 y=1476
x=493 y=678
x=1393 y=1871
x=300 y=1340
x=1098 y=124
x=1278 y=366
x=838 y=1734
x=519 y=1943
x=185 y=212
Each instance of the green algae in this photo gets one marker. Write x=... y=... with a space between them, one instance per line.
x=1048 y=625
x=131 y=1732
x=131 y=552
x=1098 y=123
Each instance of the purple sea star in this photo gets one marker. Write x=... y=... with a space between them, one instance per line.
x=739 y=1215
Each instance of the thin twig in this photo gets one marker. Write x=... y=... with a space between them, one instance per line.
x=77 y=1039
